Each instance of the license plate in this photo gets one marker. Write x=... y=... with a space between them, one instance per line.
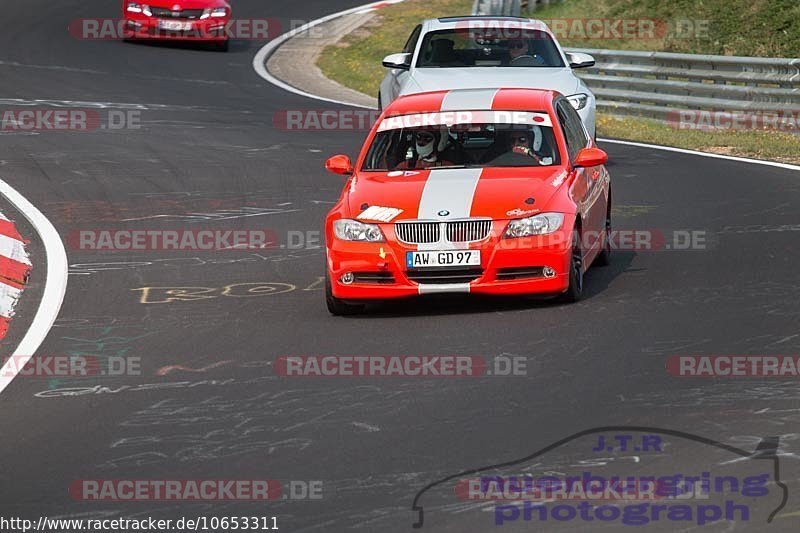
x=174 y=25
x=443 y=258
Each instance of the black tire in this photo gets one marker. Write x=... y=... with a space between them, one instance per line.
x=575 y=290
x=604 y=257
x=222 y=46
x=336 y=306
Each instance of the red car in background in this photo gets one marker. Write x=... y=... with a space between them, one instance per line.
x=184 y=20
x=490 y=191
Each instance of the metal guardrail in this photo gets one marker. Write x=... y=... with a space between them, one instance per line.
x=509 y=8
x=656 y=84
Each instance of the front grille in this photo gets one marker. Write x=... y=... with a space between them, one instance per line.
x=424 y=232
x=440 y=276
x=191 y=14
x=468 y=230
x=374 y=277
x=505 y=274
x=418 y=232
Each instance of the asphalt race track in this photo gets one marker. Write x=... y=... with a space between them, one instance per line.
x=208 y=155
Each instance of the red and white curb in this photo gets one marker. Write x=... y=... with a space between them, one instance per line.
x=15 y=266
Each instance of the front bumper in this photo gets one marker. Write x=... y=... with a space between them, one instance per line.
x=206 y=30
x=508 y=267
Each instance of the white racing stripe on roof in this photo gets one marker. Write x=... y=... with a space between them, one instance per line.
x=469 y=99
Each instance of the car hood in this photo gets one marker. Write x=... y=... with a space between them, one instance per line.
x=498 y=193
x=436 y=79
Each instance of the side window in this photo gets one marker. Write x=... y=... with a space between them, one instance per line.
x=411 y=44
x=573 y=129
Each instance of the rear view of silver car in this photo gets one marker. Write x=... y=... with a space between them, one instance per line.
x=485 y=52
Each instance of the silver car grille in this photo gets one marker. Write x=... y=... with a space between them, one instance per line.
x=428 y=232
x=418 y=232
x=468 y=230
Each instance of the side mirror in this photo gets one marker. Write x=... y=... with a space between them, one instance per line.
x=399 y=61
x=339 y=164
x=591 y=157
x=579 y=60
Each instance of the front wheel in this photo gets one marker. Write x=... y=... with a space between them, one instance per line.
x=336 y=306
x=574 y=291
x=604 y=257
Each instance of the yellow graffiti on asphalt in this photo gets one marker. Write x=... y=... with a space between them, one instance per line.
x=165 y=295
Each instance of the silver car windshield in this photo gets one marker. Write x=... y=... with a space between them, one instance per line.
x=471 y=47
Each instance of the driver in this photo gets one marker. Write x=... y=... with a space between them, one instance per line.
x=520 y=53
x=427 y=152
x=521 y=144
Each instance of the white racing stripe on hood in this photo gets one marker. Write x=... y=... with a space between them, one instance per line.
x=450 y=189
x=469 y=99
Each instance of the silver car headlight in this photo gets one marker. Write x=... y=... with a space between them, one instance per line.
x=134 y=7
x=540 y=224
x=353 y=230
x=578 y=101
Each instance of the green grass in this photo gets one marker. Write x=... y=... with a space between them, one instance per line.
x=767 y=145
x=356 y=61
x=769 y=28
x=735 y=27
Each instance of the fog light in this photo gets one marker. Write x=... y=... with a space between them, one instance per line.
x=347 y=278
x=549 y=272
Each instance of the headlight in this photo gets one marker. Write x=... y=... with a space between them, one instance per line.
x=578 y=101
x=353 y=230
x=133 y=7
x=216 y=12
x=540 y=224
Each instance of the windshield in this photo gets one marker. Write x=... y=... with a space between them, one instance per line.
x=488 y=47
x=456 y=140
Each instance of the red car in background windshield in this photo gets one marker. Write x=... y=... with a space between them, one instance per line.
x=186 y=20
